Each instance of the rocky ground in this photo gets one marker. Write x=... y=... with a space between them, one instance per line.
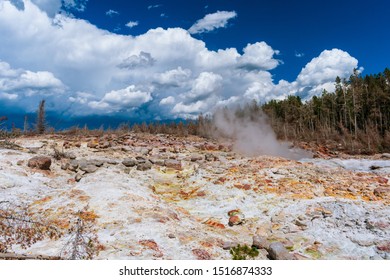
x=166 y=197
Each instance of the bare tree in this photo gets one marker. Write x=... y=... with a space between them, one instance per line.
x=41 y=118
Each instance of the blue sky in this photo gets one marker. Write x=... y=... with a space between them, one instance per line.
x=176 y=59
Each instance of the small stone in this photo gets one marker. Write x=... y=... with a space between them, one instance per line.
x=277 y=251
x=78 y=177
x=129 y=162
x=235 y=220
x=386 y=155
x=140 y=160
x=40 y=162
x=201 y=254
x=380 y=191
x=144 y=166
x=126 y=149
x=210 y=157
x=300 y=223
x=93 y=144
x=96 y=162
x=260 y=242
x=173 y=163
x=105 y=145
x=158 y=161
x=362 y=241
x=142 y=150
x=73 y=165
x=384 y=246
x=89 y=168
x=64 y=165
x=196 y=157
x=171 y=236
x=382 y=180
x=71 y=155
x=20 y=162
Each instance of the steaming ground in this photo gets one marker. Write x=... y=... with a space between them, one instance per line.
x=252 y=135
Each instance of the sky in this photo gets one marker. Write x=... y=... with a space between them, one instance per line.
x=161 y=59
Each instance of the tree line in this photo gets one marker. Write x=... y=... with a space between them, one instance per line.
x=355 y=117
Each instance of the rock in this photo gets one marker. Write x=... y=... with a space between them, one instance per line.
x=64 y=165
x=171 y=236
x=235 y=220
x=210 y=157
x=384 y=246
x=71 y=155
x=158 y=161
x=210 y=147
x=377 y=224
x=129 y=162
x=300 y=223
x=364 y=242
x=140 y=160
x=20 y=162
x=33 y=150
x=82 y=163
x=201 y=254
x=380 y=191
x=277 y=251
x=93 y=144
x=40 y=162
x=142 y=150
x=89 y=168
x=236 y=217
x=144 y=166
x=382 y=180
x=105 y=145
x=386 y=155
x=260 y=242
x=173 y=163
x=73 y=165
x=196 y=157
x=96 y=162
x=78 y=177
x=126 y=149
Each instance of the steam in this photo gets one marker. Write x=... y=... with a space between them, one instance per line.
x=251 y=133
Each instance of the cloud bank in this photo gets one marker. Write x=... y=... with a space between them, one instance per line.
x=161 y=74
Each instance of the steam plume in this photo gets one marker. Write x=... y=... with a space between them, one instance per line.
x=251 y=133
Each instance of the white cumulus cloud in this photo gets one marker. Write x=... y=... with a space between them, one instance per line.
x=132 y=24
x=123 y=99
x=167 y=73
x=259 y=56
x=25 y=81
x=112 y=13
x=212 y=21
